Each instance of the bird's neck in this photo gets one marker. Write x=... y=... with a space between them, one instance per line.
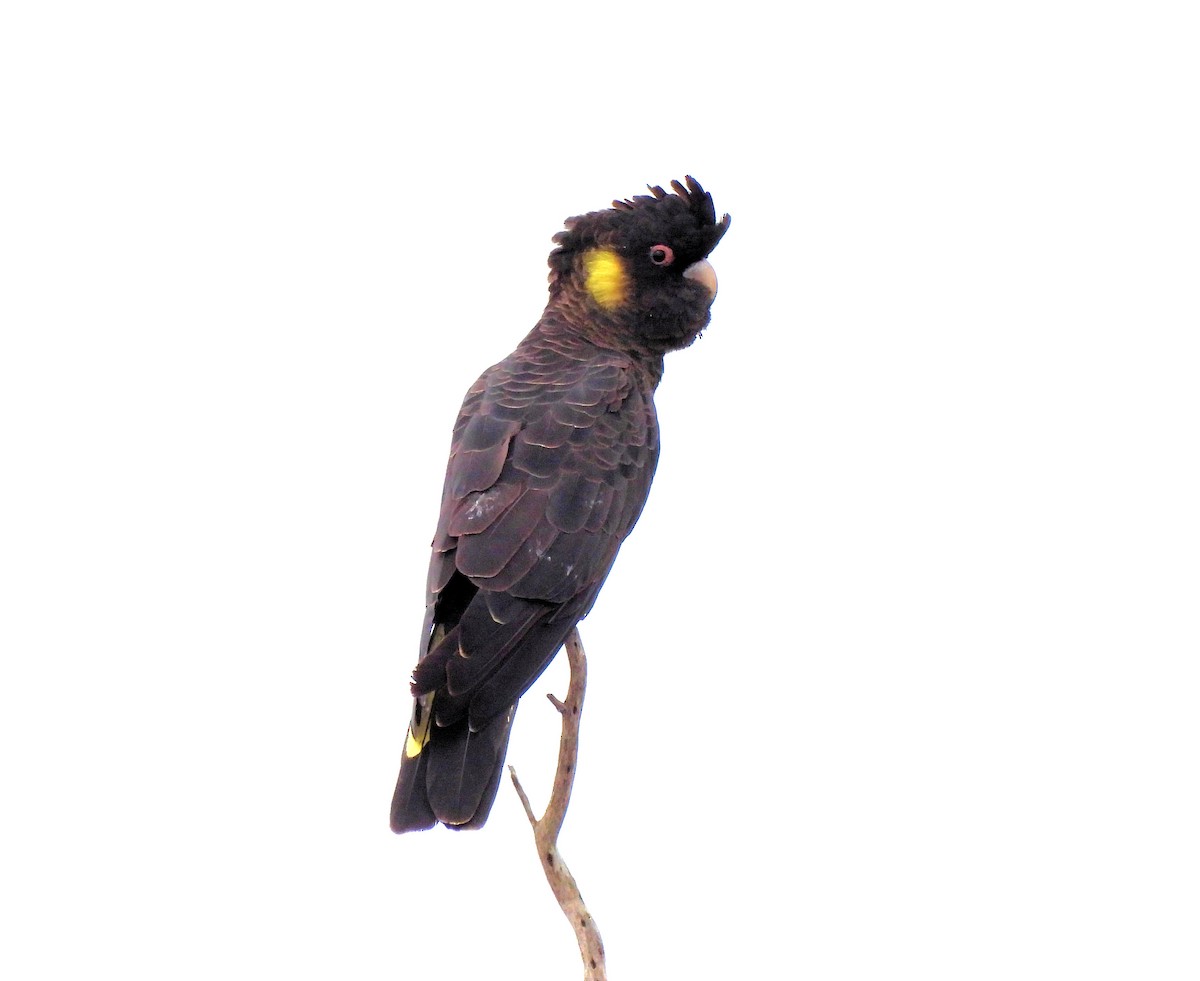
x=576 y=331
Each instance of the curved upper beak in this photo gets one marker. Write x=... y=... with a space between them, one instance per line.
x=702 y=272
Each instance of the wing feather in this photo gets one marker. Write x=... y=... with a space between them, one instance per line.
x=550 y=463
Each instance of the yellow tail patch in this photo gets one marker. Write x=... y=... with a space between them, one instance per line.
x=606 y=279
x=418 y=729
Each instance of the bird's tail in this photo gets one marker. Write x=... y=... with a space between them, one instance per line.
x=450 y=774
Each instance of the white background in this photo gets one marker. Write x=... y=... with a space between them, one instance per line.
x=897 y=676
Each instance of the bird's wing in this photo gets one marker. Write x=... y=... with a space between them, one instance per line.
x=550 y=465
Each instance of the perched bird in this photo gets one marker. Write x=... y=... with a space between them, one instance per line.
x=550 y=465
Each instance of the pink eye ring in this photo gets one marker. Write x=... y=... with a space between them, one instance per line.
x=662 y=255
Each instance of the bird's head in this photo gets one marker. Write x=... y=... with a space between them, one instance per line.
x=640 y=270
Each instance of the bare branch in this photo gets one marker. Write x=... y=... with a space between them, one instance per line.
x=545 y=831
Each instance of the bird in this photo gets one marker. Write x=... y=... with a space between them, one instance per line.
x=551 y=460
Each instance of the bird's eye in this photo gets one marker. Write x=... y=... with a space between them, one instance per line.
x=662 y=255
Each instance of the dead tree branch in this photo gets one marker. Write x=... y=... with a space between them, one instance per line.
x=545 y=831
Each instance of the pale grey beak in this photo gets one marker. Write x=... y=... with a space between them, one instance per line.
x=703 y=272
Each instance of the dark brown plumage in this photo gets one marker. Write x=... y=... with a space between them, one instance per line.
x=550 y=465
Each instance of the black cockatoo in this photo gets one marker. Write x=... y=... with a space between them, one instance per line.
x=550 y=465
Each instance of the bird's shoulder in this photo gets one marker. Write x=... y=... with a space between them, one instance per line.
x=554 y=396
x=556 y=365
x=553 y=454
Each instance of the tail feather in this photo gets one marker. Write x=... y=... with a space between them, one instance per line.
x=410 y=802
x=454 y=778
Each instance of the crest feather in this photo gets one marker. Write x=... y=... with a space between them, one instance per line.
x=601 y=228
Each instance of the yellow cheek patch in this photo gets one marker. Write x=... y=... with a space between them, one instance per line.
x=418 y=729
x=605 y=278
